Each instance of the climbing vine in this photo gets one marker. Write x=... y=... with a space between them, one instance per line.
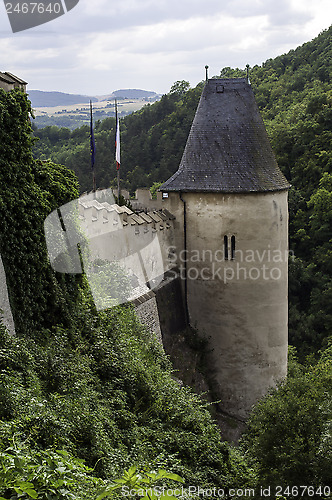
x=29 y=191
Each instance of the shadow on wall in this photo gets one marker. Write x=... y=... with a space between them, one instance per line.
x=187 y=352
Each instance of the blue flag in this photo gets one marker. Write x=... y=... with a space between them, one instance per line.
x=92 y=140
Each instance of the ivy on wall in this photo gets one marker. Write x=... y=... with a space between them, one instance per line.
x=29 y=191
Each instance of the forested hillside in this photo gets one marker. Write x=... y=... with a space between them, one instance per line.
x=292 y=91
x=152 y=142
x=96 y=384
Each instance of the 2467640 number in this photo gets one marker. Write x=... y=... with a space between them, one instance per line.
x=301 y=491
x=33 y=8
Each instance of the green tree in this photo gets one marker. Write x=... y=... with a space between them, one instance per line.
x=180 y=87
x=287 y=435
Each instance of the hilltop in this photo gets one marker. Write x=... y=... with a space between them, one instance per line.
x=43 y=99
x=73 y=111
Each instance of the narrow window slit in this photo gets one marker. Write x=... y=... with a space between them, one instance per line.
x=226 y=247
x=232 y=247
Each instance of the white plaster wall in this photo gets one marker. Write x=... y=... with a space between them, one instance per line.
x=130 y=244
x=175 y=206
x=245 y=318
x=139 y=248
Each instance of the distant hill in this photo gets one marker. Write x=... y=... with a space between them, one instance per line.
x=42 y=99
x=134 y=93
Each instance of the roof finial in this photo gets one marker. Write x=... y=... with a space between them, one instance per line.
x=248 y=66
x=206 y=73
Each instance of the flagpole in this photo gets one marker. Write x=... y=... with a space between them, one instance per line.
x=117 y=142
x=92 y=151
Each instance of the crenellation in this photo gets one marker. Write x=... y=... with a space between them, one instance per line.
x=100 y=214
x=143 y=200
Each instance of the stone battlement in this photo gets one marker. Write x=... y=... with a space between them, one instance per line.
x=137 y=242
x=102 y=217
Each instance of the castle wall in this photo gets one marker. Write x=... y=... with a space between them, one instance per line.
x=6 y=313
x=240 y=304
x=147 y=311
x=143 y=200
x=138 y=243
x=171 y=311
x=175 y=206
x=117 y=233
x=162 y=310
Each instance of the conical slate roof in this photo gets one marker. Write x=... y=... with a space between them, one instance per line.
x=228 y=150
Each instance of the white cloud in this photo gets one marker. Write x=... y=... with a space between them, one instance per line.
x=101 y=45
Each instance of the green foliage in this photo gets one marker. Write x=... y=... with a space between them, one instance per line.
x=288 y=436
x=145 y=484
x=29 y=191
x=228 y=72
x=154 y=188
x=107 y=396
x=180 y=87
x=43 y=475
x=109 y=284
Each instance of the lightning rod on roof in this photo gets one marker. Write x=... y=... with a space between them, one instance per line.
x=206 y=73
x=248 y=66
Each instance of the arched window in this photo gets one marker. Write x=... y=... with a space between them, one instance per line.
x=228 y=255
x=233 y=247
x=226 y=247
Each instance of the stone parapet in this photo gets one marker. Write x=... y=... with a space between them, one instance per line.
x=102 y=217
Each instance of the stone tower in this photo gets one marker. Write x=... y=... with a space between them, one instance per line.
x=230 y=201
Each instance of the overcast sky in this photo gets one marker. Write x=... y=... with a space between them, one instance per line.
x=105 y=45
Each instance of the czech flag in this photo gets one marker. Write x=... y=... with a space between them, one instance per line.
x=92 y=140
x=117 y=144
